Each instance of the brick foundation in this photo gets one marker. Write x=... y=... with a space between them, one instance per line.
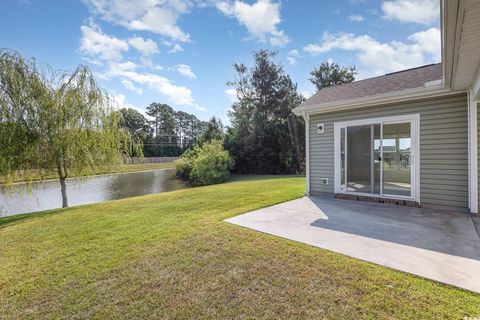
x=398 y=202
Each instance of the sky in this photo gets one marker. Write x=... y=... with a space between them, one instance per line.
x=181 y=52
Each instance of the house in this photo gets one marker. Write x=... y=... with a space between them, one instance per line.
x=408 y=137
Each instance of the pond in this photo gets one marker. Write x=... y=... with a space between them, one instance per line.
x=46 y=195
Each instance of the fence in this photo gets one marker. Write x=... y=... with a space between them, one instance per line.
x=153 y=159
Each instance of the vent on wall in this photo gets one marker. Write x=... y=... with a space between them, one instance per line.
x=325 y=181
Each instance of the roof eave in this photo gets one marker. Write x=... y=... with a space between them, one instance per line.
x=370 y=101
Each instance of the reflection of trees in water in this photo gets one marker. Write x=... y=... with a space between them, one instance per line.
x=18 y=193
x=140 y=183
x=45 y=195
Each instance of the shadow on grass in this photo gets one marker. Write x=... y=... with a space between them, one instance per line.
x=5 y=221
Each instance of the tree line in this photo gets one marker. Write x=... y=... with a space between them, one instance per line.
x=167 y=133
x=263 y=137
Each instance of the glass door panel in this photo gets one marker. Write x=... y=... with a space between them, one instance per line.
x=342 y=159
x=362 y=171
x=377 y=159
x=397 y=145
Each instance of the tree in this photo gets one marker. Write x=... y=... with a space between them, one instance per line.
x=262 y=139
x=328 y=74
x=66 y=122
x=165 y=141
x=182 y=123
x=164 y=123
x=194 y=128
x=213 y=130
x=135 y=123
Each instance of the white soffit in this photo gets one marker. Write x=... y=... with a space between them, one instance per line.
x=468 y=54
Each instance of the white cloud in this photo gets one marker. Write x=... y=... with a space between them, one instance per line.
x=178 y=94
x=109 y=49
x=231 y=94
x=158 y=16
x=145 y=47
x=307 y=93
x=95 y=43
x=378 y=58
x=120 y=67
x=293 y=56
x=162 y=21
x=429 y=41
x=185 y=71
x=119 y=102
x=176 y=48
x=260 y=18
x=356 y=17
x=130 y=86
x=415 y=11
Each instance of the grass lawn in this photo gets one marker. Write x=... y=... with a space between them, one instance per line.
x=171 y=256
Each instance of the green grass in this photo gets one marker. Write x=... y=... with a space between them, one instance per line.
x=171 y=256
x=117 y=169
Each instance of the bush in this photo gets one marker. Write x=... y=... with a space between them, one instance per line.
x=183 y=167
x=209 y=164
x=184 y=164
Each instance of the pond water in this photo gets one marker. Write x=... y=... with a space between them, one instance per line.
x=46 y=195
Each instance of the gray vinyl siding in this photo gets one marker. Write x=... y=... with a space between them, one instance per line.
x=443 y=147
x=478 y=152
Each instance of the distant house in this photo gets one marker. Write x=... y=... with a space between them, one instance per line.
x=408 y=137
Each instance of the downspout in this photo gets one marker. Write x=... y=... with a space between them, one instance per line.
x=307 y=152
x=472 y=153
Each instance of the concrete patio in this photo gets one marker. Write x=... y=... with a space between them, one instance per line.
x=439 y=245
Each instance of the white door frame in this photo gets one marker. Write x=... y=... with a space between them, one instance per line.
x=472 y=153
x=414 y=119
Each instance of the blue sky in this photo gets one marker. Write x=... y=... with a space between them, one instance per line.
x=181 y=52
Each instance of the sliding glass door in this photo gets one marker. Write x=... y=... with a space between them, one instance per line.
x=361 y=169
x=397 y=148
x=375 y=157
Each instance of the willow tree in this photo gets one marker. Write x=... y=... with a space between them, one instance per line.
x=62 y=123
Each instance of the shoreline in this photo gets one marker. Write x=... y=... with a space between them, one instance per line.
x=86 y=177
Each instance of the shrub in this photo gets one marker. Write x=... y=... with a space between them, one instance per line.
x=183 y=165
x=209 y=164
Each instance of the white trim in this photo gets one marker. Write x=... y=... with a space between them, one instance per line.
x=380 y=99
x=476 y=86
x=414 y=119
x=381 y=154
x=307 y=153
x=416 y=156
x=391 y=119
x=472 y=154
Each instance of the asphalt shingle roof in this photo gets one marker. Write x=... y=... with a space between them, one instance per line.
x=396 y=81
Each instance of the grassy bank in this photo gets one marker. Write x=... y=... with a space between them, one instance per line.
x=171 y=256
x=117 y=169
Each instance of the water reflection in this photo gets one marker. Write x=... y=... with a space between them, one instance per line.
x=46 y=195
